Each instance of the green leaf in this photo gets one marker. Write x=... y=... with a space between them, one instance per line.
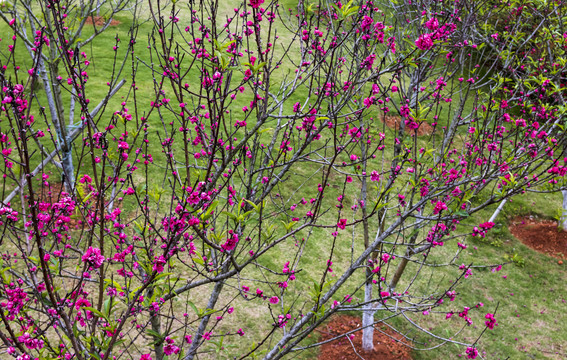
x=210 y=210
x=230 y=215
x=256 y=207
x=161 y=276
x=192 y=306
x=95 y=355
x=116 y=285
x=154 y=333
x=95 y=311
x=289 y=226
x=139 y=228
x=205 y=312
x=107 y=306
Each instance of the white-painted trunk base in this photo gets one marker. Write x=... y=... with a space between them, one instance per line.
x=368 y=321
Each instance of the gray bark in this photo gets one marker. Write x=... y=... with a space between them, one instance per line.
x=155 y=321
x=405 y=260
x=500 y=207
x=368 y=312
x=368 y=320
x=204 y=321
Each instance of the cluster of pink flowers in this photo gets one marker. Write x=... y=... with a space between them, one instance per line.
x=491 y=321
x=16 y=300
x=9 y=212
x=482 y=229
x=439 y=206
x=170 y=347
x=371 y=29
x=436 y=234
x=465 y=315
x=424 y=42
x=256 y=3
x=93 y=257
x=231 y=242
x=159 y=262
x=30 y=342
x=282 y=320
x=471 y=353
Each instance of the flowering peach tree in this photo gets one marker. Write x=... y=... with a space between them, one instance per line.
x=248 y=168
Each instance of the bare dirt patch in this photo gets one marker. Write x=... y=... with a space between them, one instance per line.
x=100 y=21
x=541 y=235
x=393 y=122
x=386 y=347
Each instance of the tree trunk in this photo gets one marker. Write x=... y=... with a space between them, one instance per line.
x=204 y=322
x=52 y=88
x=54 y=102
x=499 y=209
x=156 y=326
x=405 y=260
x=68 y=169
x=368 y=312
x=368 y=316
x=369 y=309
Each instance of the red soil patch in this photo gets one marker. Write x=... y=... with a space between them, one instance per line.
x=100 y=21
x=541 y=235
x=393 y=122
x=385 y=347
